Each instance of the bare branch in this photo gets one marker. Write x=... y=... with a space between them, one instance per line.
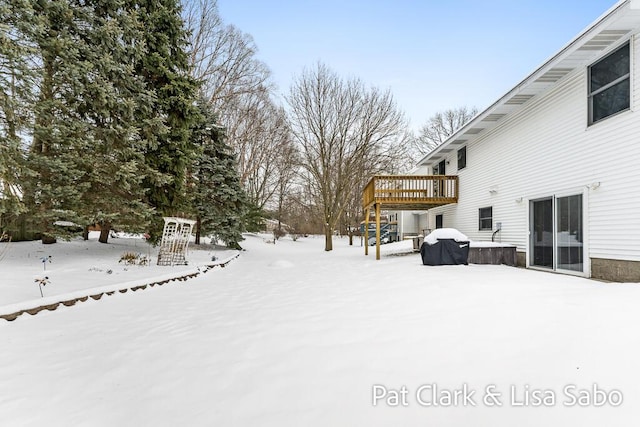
x=345 y=133
x=441 y=126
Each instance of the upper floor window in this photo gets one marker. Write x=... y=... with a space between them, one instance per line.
x=439 y=169
x=462 y=158
x=609 y=85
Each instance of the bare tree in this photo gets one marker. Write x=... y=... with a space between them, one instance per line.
x=441 y=126
x=222 y=57
x=300 y=213
x=237 y=85
x=259 y=133
x=345 y=133
x=287 y=167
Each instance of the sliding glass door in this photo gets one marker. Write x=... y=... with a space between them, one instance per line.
x=542 y=233
x=569 y=233
x=556 y=230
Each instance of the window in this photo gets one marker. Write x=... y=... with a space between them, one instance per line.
x=462 y=158
x=439 y=221
x=439 y=169
x=486 y=218
x=609 y=85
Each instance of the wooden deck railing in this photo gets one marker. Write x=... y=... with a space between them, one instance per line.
x=410 y=191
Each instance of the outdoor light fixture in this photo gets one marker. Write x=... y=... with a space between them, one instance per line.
x=595 y=185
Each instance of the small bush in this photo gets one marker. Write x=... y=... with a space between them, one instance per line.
x=278 y=233
x=132 y=258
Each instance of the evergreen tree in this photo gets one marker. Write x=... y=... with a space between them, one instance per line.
x=111 y=94
x=86 y=153
x=219 y=199
x=56 y=190
x=16 y=100
x=167 y=126
x=254 y=218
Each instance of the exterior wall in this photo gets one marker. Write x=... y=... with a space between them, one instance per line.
x=548 y=149
x=424 y=224
x=421 y=170
x=412 y=222
x=621 y=271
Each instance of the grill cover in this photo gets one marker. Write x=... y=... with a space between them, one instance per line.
x=445 y=252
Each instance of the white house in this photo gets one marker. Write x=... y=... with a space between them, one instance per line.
x=553 y=166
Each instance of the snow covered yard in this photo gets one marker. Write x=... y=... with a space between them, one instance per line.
x=290 y=335
x=77 y=265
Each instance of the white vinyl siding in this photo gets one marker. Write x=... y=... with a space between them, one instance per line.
x=548 y=148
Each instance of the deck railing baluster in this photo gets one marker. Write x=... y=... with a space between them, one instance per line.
x=410 y=191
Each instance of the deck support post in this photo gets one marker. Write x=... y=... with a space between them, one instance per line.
x=366 y=231
x=405 y=192
x=377 y=206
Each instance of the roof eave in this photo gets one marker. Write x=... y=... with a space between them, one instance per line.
x=570 y=47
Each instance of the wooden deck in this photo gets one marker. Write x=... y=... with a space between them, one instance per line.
x=406 y=192
x=410 y=192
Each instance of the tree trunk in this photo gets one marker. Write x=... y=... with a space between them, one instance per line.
x=105 y=228
x=85 y=233
x=350 y=237
x=279 y=233
x=48 y=239
x=198 y=222
x=328 y=239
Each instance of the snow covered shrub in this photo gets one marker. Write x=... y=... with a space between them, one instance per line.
x=278 y=233
x=129 y=258
x=133 y=258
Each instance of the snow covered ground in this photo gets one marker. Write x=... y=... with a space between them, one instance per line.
x=73 y=266
x=290 y=335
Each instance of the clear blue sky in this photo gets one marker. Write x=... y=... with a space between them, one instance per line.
x=432 y=55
